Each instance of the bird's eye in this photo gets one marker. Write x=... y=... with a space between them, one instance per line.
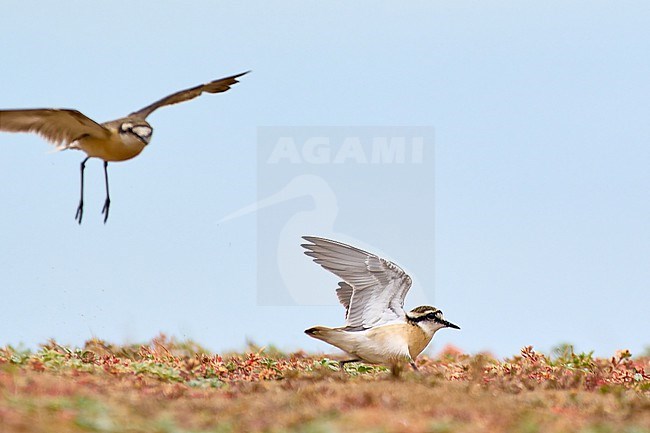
x=431 y=316
x=126 y=127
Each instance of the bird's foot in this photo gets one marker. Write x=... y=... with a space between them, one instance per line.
x=396 y=370
x=80 y=212
x=105 y=209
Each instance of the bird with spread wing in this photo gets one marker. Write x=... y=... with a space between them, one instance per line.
x=377 y=329
x=113 y=141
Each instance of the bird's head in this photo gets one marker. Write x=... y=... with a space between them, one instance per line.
x=429 y=318
x=138 y=129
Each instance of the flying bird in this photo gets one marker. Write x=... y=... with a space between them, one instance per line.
x=117 y=140
x=377 y=329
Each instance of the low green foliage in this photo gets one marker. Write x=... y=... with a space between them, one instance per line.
x=171 y=386
x=567 y=358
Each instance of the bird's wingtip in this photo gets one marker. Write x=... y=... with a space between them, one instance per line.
x=311 y=239
x=241 y=74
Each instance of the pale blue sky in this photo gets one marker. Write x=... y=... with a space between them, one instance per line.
x=542 y=156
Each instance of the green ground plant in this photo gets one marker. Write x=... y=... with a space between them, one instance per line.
x=178 y=386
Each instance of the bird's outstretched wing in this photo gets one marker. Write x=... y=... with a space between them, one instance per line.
x=216 y=86
x=378 y=286
x=344 y=293
x=59 y=126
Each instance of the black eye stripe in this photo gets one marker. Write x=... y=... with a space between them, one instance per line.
x=425 y=312
x=144 y=139
x=433 y=315
x=125 y=128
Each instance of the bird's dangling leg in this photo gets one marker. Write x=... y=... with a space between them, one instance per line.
x=107 y=202
x=80 y=208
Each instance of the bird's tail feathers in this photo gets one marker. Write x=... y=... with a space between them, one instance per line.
x=318 y=332
x=345 y=341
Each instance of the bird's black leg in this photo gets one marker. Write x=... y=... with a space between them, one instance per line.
x=347 y=361
x=415 y=367
x=80 y=208
x=107 y=202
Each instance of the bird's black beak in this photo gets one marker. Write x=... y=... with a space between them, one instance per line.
x=449 y=324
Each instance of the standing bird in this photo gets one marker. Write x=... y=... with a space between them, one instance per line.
x=117 y=140
x=377 y=329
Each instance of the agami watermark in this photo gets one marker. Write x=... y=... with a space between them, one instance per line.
x=372 y=187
